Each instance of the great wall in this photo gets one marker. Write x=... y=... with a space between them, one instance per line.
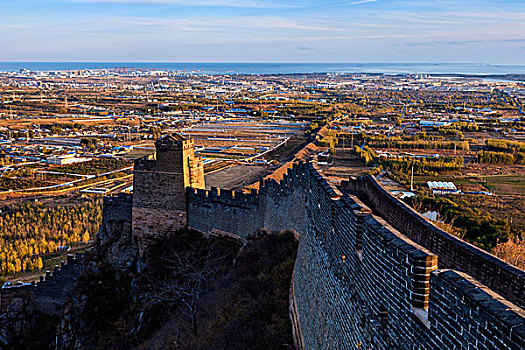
x=48 y=295
x=26 y=307
x=358 y=281
x=370 y=273
x=361 y=281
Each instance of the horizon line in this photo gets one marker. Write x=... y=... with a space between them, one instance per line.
x=268 y=62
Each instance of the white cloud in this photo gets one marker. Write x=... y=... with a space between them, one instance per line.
x=270 y=27
x=237 y=25
x=361 y=2
x=195 y=3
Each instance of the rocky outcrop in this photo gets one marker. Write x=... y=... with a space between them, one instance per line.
x=16 y=322
x=114 y=242
x=97 y=292
x=108 y=275
x=30 y=312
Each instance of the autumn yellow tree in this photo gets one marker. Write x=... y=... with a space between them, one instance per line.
x=30 y=231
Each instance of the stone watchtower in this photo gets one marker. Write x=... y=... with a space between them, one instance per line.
x=159 y=183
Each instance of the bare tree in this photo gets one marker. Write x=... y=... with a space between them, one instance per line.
x=188 y=273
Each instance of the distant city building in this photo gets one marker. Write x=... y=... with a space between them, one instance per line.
x=433 y=123
x=66 y=159
x=439 y=187
x=324 y=158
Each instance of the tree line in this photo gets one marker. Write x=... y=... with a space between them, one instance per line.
x=505 y=146
x=404 y=164
x=503 y=158
x=502 y=152
x=30 y=231
x=421 y=144
x=418 y=141
x=94 y=166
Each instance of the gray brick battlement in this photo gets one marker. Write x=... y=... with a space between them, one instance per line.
x=48 y=294
x=366 y=274
x=119 y=199
x=215 y=195
x=364 y=277
x=370 y=273
x=453 y=252
x=500 y=324
x=147 y=163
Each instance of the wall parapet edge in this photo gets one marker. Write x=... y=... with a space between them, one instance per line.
x=227 y=197
x=51 y=290
x=453 y=252
x=360 y=276
x=503 y=324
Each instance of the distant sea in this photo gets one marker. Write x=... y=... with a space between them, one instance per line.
x=280 y=68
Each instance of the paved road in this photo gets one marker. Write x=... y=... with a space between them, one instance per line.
x=66 y=183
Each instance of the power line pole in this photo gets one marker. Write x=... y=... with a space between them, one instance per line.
x=412 y=178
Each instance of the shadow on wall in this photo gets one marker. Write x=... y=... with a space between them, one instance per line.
x=358 y=280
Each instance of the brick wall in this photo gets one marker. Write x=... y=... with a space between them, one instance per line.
x=116 y=216
x=158 y=190
x=297 y=332
x=159 y=187
x=234 y=212
x=52 y=291
x=48 y=295
x=468 y=315
x=453 y=253
x=358 y=281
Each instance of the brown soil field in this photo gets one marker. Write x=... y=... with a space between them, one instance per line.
x=475 y=169
x=235 y=178
x=17 y=124
x=479 y=137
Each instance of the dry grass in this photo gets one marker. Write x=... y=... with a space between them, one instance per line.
x=512 y=251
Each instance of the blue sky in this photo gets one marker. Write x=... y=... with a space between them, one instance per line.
x=477 y=31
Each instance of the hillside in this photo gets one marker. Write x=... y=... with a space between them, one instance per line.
x=188 y=292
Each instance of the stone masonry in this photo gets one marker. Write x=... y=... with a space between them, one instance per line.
x=49 y=294
x=159 y=183
x=359 y=282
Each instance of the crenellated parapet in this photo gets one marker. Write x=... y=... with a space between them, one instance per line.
x=226 y=197
x=51 y=291
x=369 y=269
x=146 y=163
x=453 y=252
x=367 y=277
x=116 y=217
x=117 y=207
x=229 y=211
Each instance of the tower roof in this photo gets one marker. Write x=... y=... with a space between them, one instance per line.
x=174 y=136
x=169 y=141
